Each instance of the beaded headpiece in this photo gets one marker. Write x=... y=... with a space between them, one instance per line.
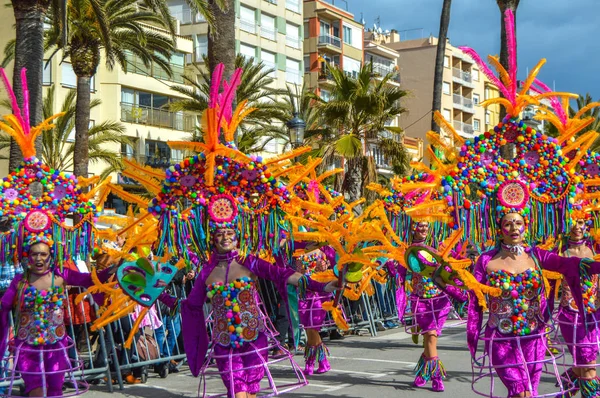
x=34 y=194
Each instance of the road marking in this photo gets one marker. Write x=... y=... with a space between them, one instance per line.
x=329 y=387
x=376 y=360
x=369 y=374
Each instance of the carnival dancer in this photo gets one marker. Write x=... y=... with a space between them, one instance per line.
x=40 y=346
x=430 y=307
x=581 y=333
x=310 y=308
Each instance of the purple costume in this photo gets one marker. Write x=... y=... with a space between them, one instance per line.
x=40 y=353
x=240 y=367
x=310 y=309
x=514 y=336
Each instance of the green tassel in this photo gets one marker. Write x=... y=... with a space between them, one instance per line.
x=589 y=387
x=429 y=368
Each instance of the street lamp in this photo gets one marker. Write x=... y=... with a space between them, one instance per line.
x=296 y=128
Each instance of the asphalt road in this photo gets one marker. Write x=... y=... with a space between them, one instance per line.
x=362 y=366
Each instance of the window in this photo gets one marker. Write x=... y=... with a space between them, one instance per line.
x=351 y=67
x=292 y=35
x=247 y=19
x=201 y=47
x=325 y=95
x=446 y=88
x=293 y=5
x=292 y=71
x=247 y=51
x=486 y=93
x=347 y=35
x=47 y=74
x=267 y=27
x=158 y=154
x=325 y=28
x=447 y=115
x=68 y=76
x=476 y=123
x=306 y=30
x=307 y=63
x=446 y=61
x=475 y=74
x=268 y=60
x=487 y=117
x=129 y=151
x=476 y=99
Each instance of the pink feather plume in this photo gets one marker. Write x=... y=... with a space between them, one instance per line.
x=488 y=72
x=541 y=88
x=13 y=99
x=215 y=84
x=511 y=45
x=25 y=88
x=227 y=100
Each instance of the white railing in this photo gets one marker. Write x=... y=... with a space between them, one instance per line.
x=188 y=16
x=268 y=32
x=293 y=5
x=293 y=42
x=331 y=40
x=248 y=26
x=463 y=76
x=293 y=76
x=463 y=103
x=463 y=127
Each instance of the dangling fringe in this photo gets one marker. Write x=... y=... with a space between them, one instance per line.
x=589 y=387
x=318 y=352
x=430 y=368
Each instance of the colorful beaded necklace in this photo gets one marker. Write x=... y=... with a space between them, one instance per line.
x=41 y=304
x=516 y=286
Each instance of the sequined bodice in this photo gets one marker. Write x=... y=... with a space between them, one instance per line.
x=312 y=262
x=424 y=287
x=235 y=309
x=41 y=317
x=517 y=310
x=589 y=290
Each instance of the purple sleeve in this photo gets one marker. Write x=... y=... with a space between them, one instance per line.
x=456 y=293
x=193 y=324
x=475 y=313
x=400 y=273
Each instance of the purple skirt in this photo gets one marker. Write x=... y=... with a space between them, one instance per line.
x=311 y=312
x=430 y=313
x=44 y=366
x=580 y=338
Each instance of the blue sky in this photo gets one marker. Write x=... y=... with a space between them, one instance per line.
x=565 y=32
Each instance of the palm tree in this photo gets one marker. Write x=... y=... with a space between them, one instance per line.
x=439 y=63
x=221 y=37
x=257 y=128
x=504 y=5
x=357 y=113
x=116 y=28
x=28 y=53
x=58 y=147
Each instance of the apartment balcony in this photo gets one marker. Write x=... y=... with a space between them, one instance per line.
x=325 y=78
x=188 y=16
x=461 y=77
x=293 y=42
x=380 y=71
x=331 y=42
x=464 y=104
x=464 y=128
x=269 y=33
x=140 y=114
x=247 y=26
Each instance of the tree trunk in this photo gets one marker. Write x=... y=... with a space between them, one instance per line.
x=29 y=54
x=352 y=186
x=82 y=126
x=221 y=40
x=438 y=79
x=504 y=5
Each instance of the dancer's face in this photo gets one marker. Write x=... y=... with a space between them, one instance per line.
x=225 y=240
x=421 y=231
x=512 y=228
x=578 y=230
x=39 y=258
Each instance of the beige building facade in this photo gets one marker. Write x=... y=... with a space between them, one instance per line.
x=464 y=87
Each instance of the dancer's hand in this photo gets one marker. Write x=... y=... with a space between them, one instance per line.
x=333 y=286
